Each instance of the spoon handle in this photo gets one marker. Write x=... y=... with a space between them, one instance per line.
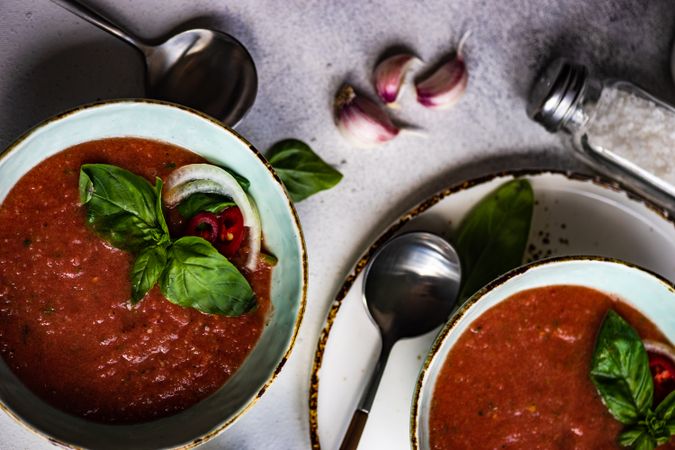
x=355 y=430
x=353 y=435
x=87 y=13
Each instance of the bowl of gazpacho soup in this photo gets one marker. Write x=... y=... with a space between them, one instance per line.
x=564 y=353
x=152 y=276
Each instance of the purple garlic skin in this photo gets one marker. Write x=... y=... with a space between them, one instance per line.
x=389 y=76
x=443 y=88
x=362 y=121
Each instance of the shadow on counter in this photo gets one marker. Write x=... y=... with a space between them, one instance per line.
x=62 y=77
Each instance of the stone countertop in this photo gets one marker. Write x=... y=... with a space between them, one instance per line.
x=51 y=61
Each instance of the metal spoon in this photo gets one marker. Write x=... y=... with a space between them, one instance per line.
x=410 y=288
x=207 y=70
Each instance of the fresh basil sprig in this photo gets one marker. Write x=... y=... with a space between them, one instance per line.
x=200 y=201
x=159 y=184
x=198 y=276
x=146 y=271
x=125 y=210
x=243 y=182
x=621 y=375
x=121 y=207
x=303 y=172
x=620 y=370
x=491 y=239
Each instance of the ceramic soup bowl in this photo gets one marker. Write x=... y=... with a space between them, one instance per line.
x=651 y=295
x=281 y=230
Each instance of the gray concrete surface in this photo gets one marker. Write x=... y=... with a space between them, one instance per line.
x=51 y=61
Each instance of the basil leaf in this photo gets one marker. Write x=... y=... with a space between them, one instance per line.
x=620 y=370
x=303 y=172
x=147 y=269
x=158 y=206
x=666 y=412
x=662 y=438
x=631 y=435
x=121 y=206
x=656 y=427
x=243 y=182
x=117 y=191
x=199 y=277
x=492 y=237
x=666 y=408
x=637 y=437
x=195 y=203
x=645 y=442
x=269 y=259
x=126 y=232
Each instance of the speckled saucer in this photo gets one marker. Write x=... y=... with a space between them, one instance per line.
x=574 y=215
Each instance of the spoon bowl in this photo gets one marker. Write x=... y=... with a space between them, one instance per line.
x=410 y=287
x=207 y=70
x=411 y=284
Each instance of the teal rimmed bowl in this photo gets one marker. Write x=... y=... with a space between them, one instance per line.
x=283 y=237
x=646 y=292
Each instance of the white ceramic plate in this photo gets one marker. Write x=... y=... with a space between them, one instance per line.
x=574 y=215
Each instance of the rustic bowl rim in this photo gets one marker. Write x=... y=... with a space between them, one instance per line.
x=15 y=146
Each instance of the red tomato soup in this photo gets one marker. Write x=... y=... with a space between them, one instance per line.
x=519 y=376
x=67 y=329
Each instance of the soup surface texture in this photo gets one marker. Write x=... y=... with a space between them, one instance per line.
x=519 y=376
x=67 y=329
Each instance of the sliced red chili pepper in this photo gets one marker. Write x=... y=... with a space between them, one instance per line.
x=663 y=374
x=205 y=225
x=231 y=232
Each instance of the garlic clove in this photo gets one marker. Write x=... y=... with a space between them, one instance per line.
x=389 y=75
x=445 y=86
x=362 y=121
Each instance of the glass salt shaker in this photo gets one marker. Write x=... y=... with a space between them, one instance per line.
x=617 y=127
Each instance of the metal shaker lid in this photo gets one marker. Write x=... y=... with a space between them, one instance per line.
x=556 y=94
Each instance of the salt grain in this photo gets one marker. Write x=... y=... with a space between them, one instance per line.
x=635 y=129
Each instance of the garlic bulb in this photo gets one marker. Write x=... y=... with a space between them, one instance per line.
x=389 y=75
x=444 y=87
x=362 y=121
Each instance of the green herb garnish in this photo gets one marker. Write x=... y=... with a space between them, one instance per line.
x=243 y=182
x=126 y=210
x=491 y=239
x=197 y=273
x=199 y=201
x=303 y=172
x=121 y=207
x=146 y=271
x=620 y=373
